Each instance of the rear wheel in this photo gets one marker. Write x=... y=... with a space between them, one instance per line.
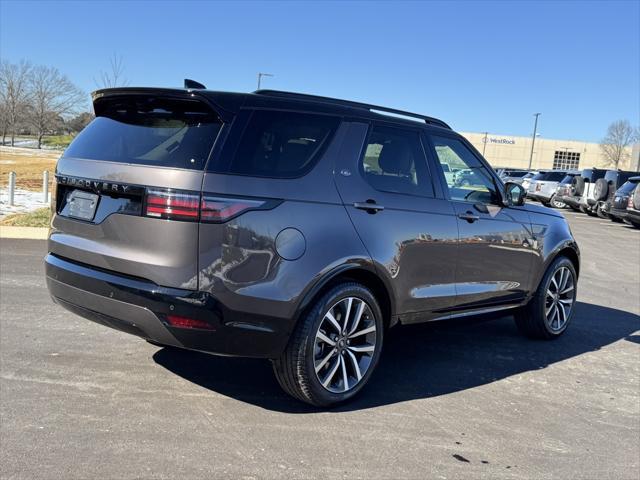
x=334 y=348
x=601 y=213
x=556 y=203
x=549 y=312
x=635 y=224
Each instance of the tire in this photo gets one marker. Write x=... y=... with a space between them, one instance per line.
x=555 y=203
x=532 y=319
x=601 y=213
x=635 y=224
x=600 y=189
x=636 y=198
x=590 y=212
x=295 y=370
x=575 y=209
x=577 y=186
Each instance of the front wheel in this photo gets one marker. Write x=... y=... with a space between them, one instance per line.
x=549 y=312
x=334 y=348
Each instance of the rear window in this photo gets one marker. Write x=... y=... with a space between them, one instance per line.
x=567 y=179
x=517 y=173
x=555 y=176
x=149 y=131
x=279 y=144
x=628 y=187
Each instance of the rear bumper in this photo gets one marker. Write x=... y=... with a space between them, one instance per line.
x=140 y=307
x=617 y=212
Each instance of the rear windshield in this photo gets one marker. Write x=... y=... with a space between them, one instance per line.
x=567 y=179
x=627 y=187
x=517 y=173
x=151 y=131
x=278 y=144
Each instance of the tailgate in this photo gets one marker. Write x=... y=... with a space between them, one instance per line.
x=128 y=188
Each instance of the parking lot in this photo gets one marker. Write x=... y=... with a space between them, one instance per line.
x=462 y=400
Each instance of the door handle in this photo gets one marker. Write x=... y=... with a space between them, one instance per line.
x=370 y=207
x=469 y=217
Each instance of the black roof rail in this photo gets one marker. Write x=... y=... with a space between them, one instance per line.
x=349 y=103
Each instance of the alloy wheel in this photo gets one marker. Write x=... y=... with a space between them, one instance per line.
x=559 y=299
x=345 y=344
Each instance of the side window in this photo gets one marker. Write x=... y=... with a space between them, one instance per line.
x=467 y=179
x=281 y=144
x=394 y=161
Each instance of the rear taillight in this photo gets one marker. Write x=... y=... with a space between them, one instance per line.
x=191 y=206
x=630 y=202
x=186 y=322
x=222 y=209
x=172 y=205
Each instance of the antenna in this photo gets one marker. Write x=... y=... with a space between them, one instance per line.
x=188 y=83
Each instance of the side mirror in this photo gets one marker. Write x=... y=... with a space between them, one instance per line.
x=514 y=194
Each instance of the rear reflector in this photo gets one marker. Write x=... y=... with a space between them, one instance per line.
x=172 y=205
x=221 y=209
x=185 y=322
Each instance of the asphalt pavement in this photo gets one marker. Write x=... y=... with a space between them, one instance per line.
x=460 y=400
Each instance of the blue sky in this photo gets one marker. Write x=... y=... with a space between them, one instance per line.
x=481 y=66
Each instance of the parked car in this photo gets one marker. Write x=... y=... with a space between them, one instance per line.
x=616 y=207
x=526 y=179
x=581 y=195
x=516 y=176
x=543 y=185
x=605 y=191
x=632 y=215
x=563 y=189
x=294 y=228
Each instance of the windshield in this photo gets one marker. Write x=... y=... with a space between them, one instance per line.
x=160 y=132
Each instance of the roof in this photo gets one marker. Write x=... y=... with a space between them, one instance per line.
x=229 y=103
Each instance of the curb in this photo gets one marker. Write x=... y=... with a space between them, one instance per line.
x=34 y=233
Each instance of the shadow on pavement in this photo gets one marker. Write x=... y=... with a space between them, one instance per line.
x=418 y=361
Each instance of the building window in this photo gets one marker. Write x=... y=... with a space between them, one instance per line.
x=565 y=160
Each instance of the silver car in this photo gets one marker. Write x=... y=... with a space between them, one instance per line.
x=543 y=185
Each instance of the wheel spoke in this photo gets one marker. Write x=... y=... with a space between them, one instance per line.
x=346 y=315
x=331 y=373
x=332 y=320
x=563 y=279
x=345 y=377
x=362 y=348
x=555 y=284
x=321 y=336
x=354 y=362
x=325 y=360
x=566 y=301
x=567 y=290
x=562 y=317
x=356 y=320
x=364 y=331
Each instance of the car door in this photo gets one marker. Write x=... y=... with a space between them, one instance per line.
x=387 y=188
x=495 y=242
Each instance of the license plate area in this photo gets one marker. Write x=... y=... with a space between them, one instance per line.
x=82 y=205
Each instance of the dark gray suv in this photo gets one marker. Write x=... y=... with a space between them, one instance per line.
x=295 y=228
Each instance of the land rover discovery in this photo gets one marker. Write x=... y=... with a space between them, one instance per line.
x=294 y=228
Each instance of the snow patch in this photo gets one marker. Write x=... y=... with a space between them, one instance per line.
x=24 y=201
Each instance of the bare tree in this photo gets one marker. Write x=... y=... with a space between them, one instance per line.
x=114 y=77
x=620 y=135
x=53 y=97
x=14 y=88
